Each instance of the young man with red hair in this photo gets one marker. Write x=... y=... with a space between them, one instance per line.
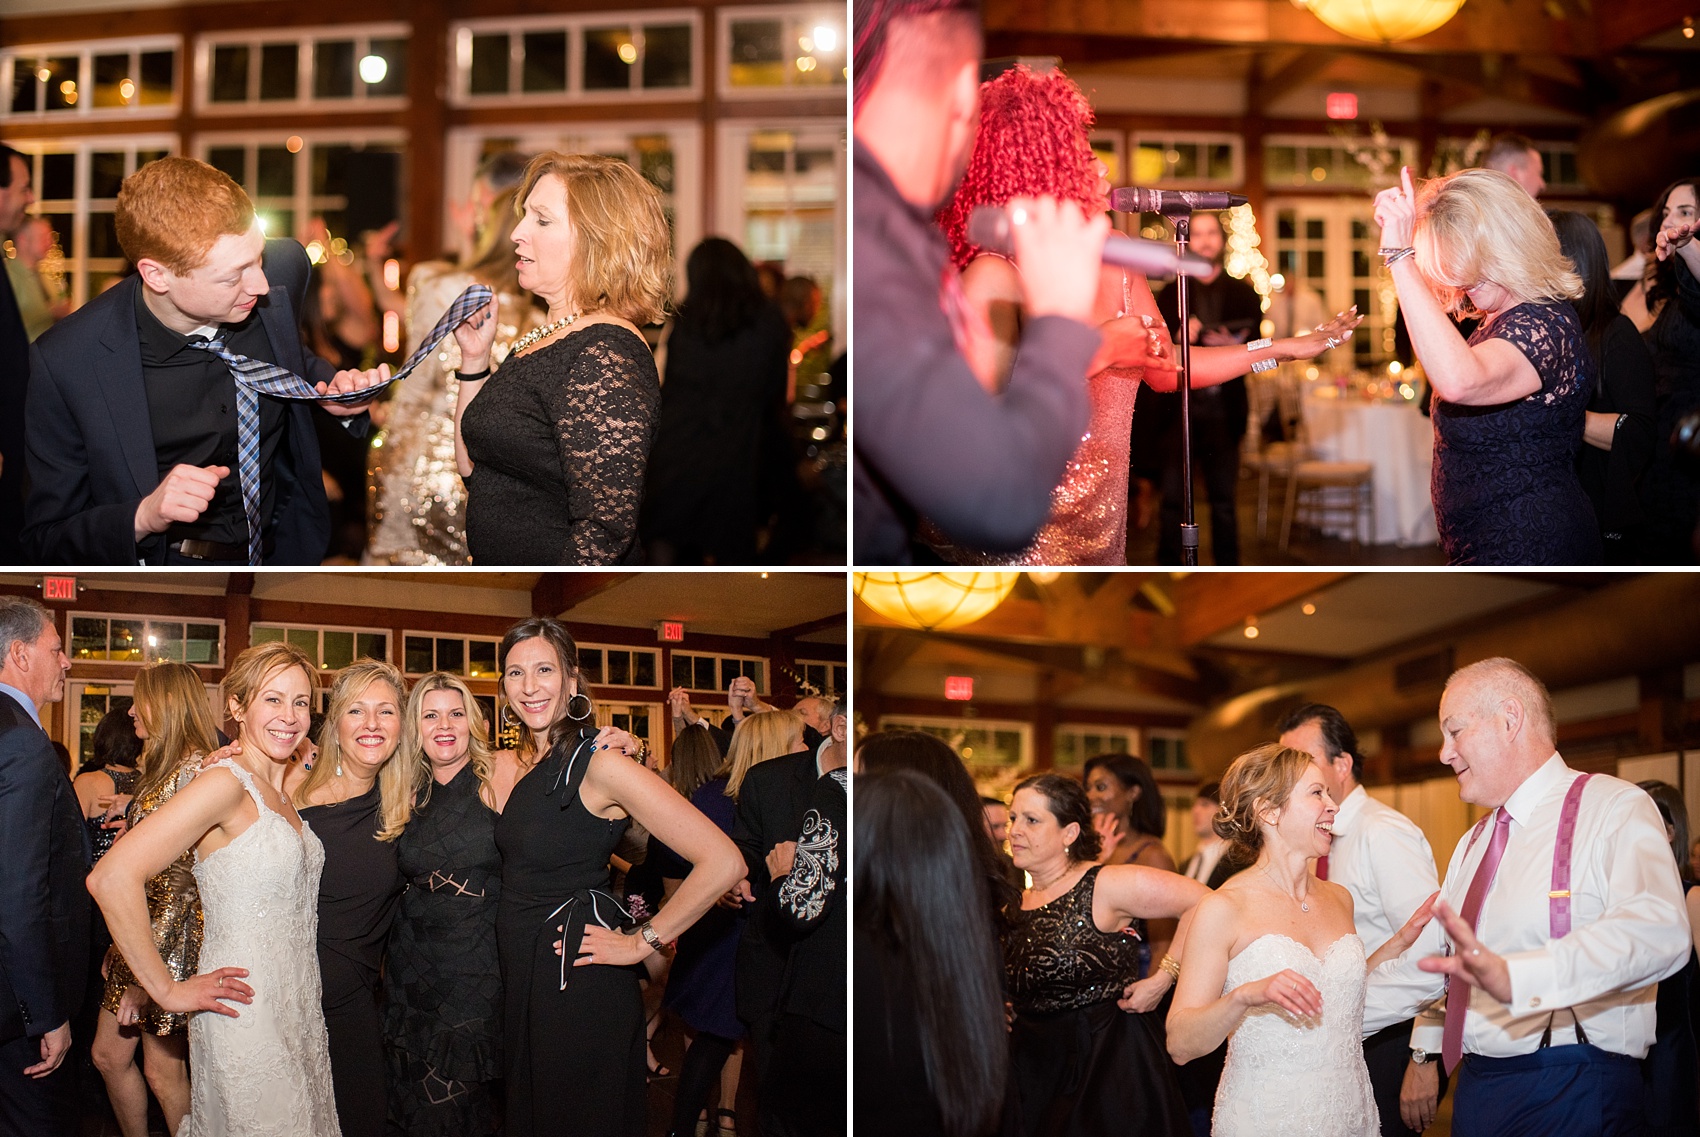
x=137 y=430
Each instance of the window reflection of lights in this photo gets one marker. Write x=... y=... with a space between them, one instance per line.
x=44 y=74
x=293 y=144
x=127 y=90
x=628 y=53
x=806 y=63
x=805 y=44
x=826 y=39
x=373 y=68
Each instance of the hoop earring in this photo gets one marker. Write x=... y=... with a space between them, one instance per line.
x=574 y=701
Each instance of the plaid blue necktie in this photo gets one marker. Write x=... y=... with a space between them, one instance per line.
x=255 y=377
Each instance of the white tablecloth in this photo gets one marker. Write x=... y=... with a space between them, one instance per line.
x=1399 y=440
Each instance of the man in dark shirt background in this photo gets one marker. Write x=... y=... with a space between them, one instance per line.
x=133 y=432
x=1224 y=311
x=16 y=194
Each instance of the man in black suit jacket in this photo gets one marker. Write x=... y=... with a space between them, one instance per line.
x=132 y=430
x=44 y=859
x=16 y=194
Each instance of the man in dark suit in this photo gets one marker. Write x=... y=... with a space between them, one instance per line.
x=44 y=909
x=134 y=431
x=771 y=804
x=16 y=194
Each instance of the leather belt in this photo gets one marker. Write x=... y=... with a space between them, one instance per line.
x=209 y=551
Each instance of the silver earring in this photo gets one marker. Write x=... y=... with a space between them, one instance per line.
x=574 y=702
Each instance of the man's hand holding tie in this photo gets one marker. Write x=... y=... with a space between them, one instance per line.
x=347 y=382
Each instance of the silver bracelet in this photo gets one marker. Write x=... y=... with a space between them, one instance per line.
x=1396 y=256
x=1266 y=364
x=1258 y=345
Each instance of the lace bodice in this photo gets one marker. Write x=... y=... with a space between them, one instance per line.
x=1291 y=1077
x=559 y=439
x=1056 y=959
x=267 y=1072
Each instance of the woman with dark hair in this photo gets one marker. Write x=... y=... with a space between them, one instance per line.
x=1618 y=426
x=931 y=1056
x=1672 y=490
x=108 y=778
x=573 y=1022
x=722 y=406
x=1079 y=1064
x=700 y=984
x=1130 y=819
x=928 y=756
x=1668 y=1071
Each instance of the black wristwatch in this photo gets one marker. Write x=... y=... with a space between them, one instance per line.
x=1420 y=1057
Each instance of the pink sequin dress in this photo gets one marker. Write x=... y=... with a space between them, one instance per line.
x=1088 y=520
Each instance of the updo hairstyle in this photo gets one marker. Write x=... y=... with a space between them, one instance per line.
x=1066 y=799
x=1260 y=779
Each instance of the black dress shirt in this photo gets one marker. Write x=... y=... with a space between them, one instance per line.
x=192 y=407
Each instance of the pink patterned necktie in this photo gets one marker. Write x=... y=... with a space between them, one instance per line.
x=1458 y=989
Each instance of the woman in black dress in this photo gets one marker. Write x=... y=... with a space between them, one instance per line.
x=357 y=801
x=108 y=778
x=1673 y=486
x=553 y=452
x=573 y=1027
x=1618 y=427
x=721 y=413
x=1079 y=1064
x=442 y=985
x=1508 y=404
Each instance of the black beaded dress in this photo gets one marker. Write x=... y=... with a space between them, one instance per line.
x=572 y=1037
x=559 y=440
x=100 y=836
x=358 y=890
x=442 y=984
x=1504 y=479
x=1079 y=1065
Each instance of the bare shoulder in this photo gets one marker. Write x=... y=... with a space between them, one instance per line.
x=992 y=278
x=1335 y=894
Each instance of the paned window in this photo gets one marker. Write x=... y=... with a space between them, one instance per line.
x=331 y=649
x=145 y=639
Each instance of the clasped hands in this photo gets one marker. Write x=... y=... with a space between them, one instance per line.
x=1674 y=237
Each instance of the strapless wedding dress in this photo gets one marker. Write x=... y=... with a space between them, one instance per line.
x=1292 y=1077
x=266 y=1073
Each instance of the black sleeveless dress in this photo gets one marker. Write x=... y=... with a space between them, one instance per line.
x=100 y=837
x=443 y=986
x=1504 y=478
x=573 y=1037
x=1079 y=1065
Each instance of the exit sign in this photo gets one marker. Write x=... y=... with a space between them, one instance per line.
x=959 y=687
x=58 y=588
x=671 y=631
x=1342 y=104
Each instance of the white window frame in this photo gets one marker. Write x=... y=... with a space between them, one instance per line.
x=762 y=688
x=1339 y=284
x=1407 y=148
x=466 y=653
x=319 y=655
x=1171 y=734
x=605 y=712
x=460 y=58
x=85 y=110
x=796 y=15
x=304 y=39
x=78 y=264
x=829 y=664
x=303 y=202
x=1168 y=138
x=147 y=621
x=732 y=165
x=1078 y=731
x=464 y=144
x=920 y=722
x=655 y=652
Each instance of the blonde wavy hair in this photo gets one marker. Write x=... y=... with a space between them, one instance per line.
x=171 y=702
x=395 y=785
x=254 y=666
x=760 y=737
x=1259 y=780
x=1479 y=225
x=412 y=737
x=622 y=252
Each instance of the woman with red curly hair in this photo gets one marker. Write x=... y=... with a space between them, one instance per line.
x=1032 y=141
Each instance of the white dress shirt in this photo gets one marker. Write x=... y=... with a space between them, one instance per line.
x=1202 y=863
x=1629 y=926
x=1384 y=861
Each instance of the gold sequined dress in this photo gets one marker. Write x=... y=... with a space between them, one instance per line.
x=417 y=503
x=174 y=910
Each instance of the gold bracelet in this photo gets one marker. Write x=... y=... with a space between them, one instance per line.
x=1172 y=966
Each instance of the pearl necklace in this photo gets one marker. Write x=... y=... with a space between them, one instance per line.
x=544 y=332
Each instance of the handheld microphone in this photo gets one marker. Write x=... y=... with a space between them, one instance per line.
x=989 y=227
x=1132 y=199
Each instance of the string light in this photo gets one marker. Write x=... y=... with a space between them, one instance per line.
x=1244 y=259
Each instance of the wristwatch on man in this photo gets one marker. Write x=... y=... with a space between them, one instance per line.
x=1421 y=1057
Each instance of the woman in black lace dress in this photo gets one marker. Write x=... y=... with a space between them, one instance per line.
x=1509 y=404
x=108 y=778
x=442 y=986
x=553 y=450
x=1080 y=1064
x=1673 y=485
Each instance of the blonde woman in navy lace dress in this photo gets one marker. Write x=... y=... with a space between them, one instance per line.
x=553 y=447
x=1509 y=404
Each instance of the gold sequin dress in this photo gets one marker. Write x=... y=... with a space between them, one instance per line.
x=416 y=501
x=174 y=910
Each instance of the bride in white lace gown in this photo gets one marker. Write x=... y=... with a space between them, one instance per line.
x=1271 y=963
x=257 y=1044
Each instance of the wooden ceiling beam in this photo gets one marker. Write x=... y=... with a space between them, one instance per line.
x=1617 y=25
x=1212 y=602
x=557 y=593
x=1263 y=89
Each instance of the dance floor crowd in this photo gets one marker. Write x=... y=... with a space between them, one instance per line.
x=385 y=921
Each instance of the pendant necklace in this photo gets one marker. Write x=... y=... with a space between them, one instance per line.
x=1304 y=905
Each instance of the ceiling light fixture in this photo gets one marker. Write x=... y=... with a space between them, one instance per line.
x=1382 y=21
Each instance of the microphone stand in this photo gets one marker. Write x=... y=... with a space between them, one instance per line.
x=1181 y=217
